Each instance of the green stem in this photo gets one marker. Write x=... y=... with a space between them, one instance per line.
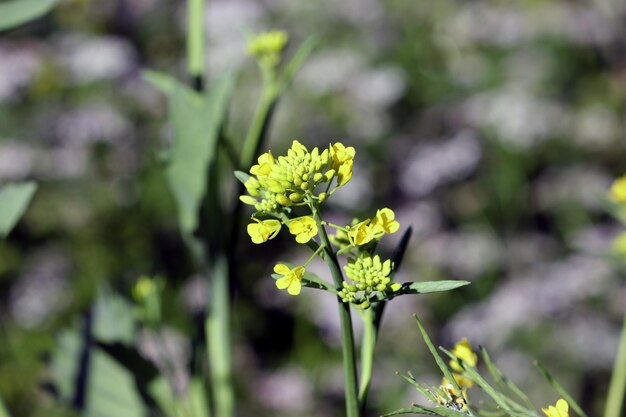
x=218 y=340
x=367 y=356
x=617 y=387
x=347 y=336
x=195 y=42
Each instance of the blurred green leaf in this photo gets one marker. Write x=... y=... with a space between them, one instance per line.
x=14 y=199
x=161 y=81
x=3 y=410
x=196 y=122
x=17 y=12
x=292 y=67
x=110 y=389
x=114 y=319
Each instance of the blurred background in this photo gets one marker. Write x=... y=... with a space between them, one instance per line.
x=493 y=128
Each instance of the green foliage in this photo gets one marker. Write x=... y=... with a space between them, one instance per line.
x=17 y=12
x=14 y=199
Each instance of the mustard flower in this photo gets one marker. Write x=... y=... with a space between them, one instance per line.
x=268 y=46
x=453 y=399
x=263 y=230
x=561 y=409
x=291 y=279
x=342 y=161
x=463 y=350
x=361 y=233
x=618 y=190
x=385 y=222
x=304 y=228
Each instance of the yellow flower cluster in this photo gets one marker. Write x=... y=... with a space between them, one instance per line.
x=560 y=410
x=369 y=275
x=618 y=190
x=290 y=180
x=267 y=47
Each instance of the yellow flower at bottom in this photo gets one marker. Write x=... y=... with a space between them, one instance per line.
x=618 y=190
x=263 y=230
x=291 y=279
x=304 y=228
x=561 y=409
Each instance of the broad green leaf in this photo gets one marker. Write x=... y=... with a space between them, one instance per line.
x=114 y=319
x=559 y=388
x=14 y=199
x=17 y=12
x=3 y=410
x=111 y=390
x=196 y=122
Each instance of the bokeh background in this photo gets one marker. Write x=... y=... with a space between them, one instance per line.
x=493 y=128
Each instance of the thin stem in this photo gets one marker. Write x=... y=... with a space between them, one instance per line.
x=195 y=42
x=617 y=387
x=347 y=336
x=367 y=356
x=259 y=125
x=219 y=341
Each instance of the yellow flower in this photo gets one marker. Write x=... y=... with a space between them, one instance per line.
x=462 y=381
x=144 y=288
x=618 y=190
x=561 y=409
x=361 y=233
x=268 y=46
x=263 y=230
x=344 y=173
x=463 y=351
x=264 y=166
x=304 y=228
x=339 y=154
x=292 y=278
x=385 y=222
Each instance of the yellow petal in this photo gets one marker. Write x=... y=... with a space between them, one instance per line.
x=303 y=238
x=563 y=407
x=282 y=283
x=294 y=287
x=282 y=269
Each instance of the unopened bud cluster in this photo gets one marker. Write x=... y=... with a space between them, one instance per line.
x=368 y=275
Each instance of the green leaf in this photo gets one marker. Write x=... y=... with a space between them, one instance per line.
x=292 y=67
x=17 y=12
x=559 y=388
x=110 y=389
x=161 y=81
x=3 y=410
x=431 y=411
x=114 y=319
x=196 y=122
x=421 y=288
x=502 y=381
x=425 y=391
x=161 y=391
x=442 y=365
x=242 y=176
x=14 y=199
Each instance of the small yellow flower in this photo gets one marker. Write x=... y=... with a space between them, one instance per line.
x=561 y=409
x=144 y=288
x=344 y=173
x=339 y=154
x=385 y=222
x=463 y=351
x=618 y=190
x=361 y=233
x=291 y=280
x=268 y=46
x=304 y=228
x=264 y=166
x=263 y=230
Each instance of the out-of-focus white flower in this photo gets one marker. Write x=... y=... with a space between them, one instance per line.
x=18 y=66
x=92 y=123
x=377 y=87
x=287 y=390
x=580 y=184
x=433 y=164
x=595 y=127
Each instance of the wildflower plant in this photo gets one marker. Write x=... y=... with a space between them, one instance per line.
x=461 y=380
x=288 y=192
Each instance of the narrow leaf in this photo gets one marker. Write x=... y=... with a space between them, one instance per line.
x=500 y=379
x=431 y=411
x=14 y=199
x=421 y=288
x=559 y=388
x=17 y=12
x=442 y=365
x=161 y=81
x=303 y=52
